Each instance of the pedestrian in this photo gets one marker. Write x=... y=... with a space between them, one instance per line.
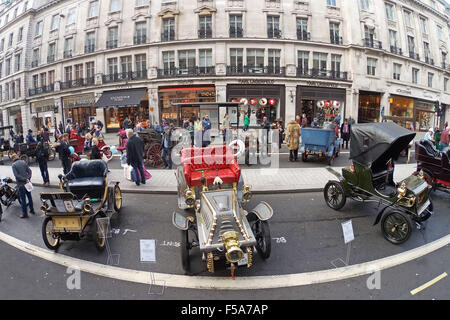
x=135 y=151
x=30 y=139
x=351 y=121
x=95 y=152
x=87 y=142
x=60 y=128
x=100 y=125
x=42 y=158
x=293 y=139
x=45 y=135
x=22 y=173
x=127 y=123
x=265 y=125
x=429 y=135
x=198 y=131
x=346 y=129
x=445 y=137
x=62 y=147
x=206 y=123
x=298 y=120
x=315 y=123
x=246 y=121
x=226 y=126
x=167 y=146
x=191 y=130
x=304 y=121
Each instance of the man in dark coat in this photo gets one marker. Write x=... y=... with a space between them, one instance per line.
x=64 y=153
x=22 y=173
x=167 y=145
x=135 y=151
x=346 y=129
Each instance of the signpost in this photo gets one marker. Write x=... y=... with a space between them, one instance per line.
x=349 y=236
x=148 y=254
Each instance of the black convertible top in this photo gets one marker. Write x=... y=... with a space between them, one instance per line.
x=377 y=143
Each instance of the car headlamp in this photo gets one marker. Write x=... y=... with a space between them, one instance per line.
x=189 y=195
x=231 y=242
x=246 y=193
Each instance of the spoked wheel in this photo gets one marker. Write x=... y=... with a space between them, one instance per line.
x=334 y=195
x=100 y=233
x=185 y=247
x=50 y=239
x=396 y=227
x=261 y=231
x=154 y=159
x=117 y=199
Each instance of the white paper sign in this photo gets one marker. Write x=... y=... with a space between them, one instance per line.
x=347 y=228
x=148 y=251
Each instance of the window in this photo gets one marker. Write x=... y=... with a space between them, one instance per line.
x=90 y=42
x=93 y=9
x=365 y=4
x=423 y=25
x=72 y=16
x=336 y=65
x=114 y=5
x=411 y=46
x=334 y=33
x=274 y=61
x=415 y=75
x=273 y=27
x=38 y=31
x=43 y=77
x=445 y=84
x=237 y=60
x=430 y=79
x=205 y=60
x=17 y=64
x=320 y=63
x=51 y=52
x=440 y=34
x=6 y=91
x=125 y=65
x=79 y=71
x=168 y=33
x=303 y=62
x=8 y=67
x=113 y=67
x=68 y=74
x=18 y=88
x=1 y=70
x=10 y=41
x=1 y=94
x=142 y=3
x=407 y=17
x=140 y=33
x=205 y=27
x=236 y=26
x=393 y=40
x=426 y=50
x=13 y=90
x=2 y=45
x=302 y=29
x=20 y=35
x=389 y=11
x=371 y=66
x=55 y=22
x=35 y=60
x=113 y=35
x=90 y=70
x=255 y=60
x=168 y=62
x=68 y=48
x=331 y=3
x=35 y=81
x=397 y=71
x=15 y=12
x=186 y=60
x=141 y=64
x=51 y=77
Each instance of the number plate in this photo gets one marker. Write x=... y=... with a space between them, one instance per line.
x=243 y=261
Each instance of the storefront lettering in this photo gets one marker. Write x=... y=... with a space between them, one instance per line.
x=404 y=91
x=256 y=81
x=320 y=84
x=120 y=98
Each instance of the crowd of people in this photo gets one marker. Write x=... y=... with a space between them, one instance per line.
x=438 y=137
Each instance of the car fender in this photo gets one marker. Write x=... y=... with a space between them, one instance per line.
x=263 y=211
x=180 y=222
x=340 y=178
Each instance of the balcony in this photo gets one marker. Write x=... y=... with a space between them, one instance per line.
x=90 y=48
x=205 y=33
x=78 y=83
x=45 y=89
x=67 y=54
x=336 y=40
x=186 y=72
x=396 y=50
x=414 y=55
x=236 y=32
x=321 y=74
x=274 y=33
x=125 y=76
x=371 y=43
x=256 y=71
x=168 y=36
x=51 y=58
x=111 y=44
x=140 y=39
x=303 y=35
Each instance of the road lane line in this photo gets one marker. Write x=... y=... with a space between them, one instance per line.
x=226 y=283
x=428 y=284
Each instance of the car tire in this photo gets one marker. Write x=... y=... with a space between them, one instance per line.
x=261 y=232
x=184 y=245
x=117 y=199
x=396 y=227
x=100 y=234
x=49 y=241
x=334 y=195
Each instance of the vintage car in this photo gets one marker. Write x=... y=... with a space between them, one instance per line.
x=211 y=185
x=434 y=165
x=374 y=147
x=321 y=143
x=87 y=196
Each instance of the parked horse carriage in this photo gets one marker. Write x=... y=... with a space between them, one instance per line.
x=152 y=147
x=211 y=185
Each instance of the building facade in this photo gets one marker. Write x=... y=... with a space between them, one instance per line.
x=372 y=60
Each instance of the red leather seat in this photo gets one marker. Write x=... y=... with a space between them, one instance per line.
x=209 y=162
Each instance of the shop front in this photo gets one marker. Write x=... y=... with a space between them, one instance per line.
x=325 y=104
x=43 y=115
x=118 y=105
x=369 y=107
x=173 y=95
x=259 y=101
x=79 y=108
x=15 y=119
x=409 y=112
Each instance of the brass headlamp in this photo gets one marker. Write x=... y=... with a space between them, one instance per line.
x=231 y=242
x=246 y=193
x=401 y=191
x=189 y=195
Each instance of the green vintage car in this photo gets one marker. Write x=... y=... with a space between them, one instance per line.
x=374 y=148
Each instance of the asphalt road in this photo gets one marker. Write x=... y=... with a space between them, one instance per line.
x=306 y=236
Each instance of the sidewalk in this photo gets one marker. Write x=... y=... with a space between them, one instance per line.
x=262 y=180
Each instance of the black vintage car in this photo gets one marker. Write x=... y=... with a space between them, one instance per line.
x=374 y=148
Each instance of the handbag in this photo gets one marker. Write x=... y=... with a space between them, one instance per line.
x=29 y=186
x=127 y=170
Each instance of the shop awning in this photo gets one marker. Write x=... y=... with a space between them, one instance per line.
x=121 y=98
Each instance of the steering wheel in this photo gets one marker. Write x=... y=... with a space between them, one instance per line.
x=240 y=150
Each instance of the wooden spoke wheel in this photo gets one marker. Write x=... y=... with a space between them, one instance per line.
x=261 y=231
x=153 y=158
x=334 y=195
x=117 y=199
x=51 y=241
x=396 y=227
x=100 y=233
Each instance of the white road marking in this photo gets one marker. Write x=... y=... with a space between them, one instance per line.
x=226 y=283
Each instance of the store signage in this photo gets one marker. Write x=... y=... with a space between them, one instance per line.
x=42 y=106
x=83 y=100
x=404 y=91
x=120 y=98
x=322 y=84
x=256 y=81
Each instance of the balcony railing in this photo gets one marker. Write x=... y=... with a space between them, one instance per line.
x=205 y=33
x=371 y=43
x=321 y=74
x=168 y=35
x=236 y=32
x=45 y=89
x=125 y=76
x=140 y=39
x=254 y=70
x=111 y=44
x=186 y=72
x=67 y=54
x=414 y=55
x=396 y=50
x=303 y=35
x=89 y=48
x=51 y=58
x=274 y=33
x=34 y=63
x=429 y=61
x=336 y=40
x=78 y=83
